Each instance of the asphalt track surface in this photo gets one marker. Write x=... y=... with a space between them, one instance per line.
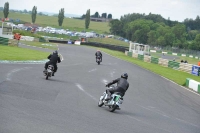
x=67 y=102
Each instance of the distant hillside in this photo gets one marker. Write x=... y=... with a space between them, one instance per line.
x=68 y=23
x=66 y=15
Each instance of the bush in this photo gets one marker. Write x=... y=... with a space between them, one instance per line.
x=41 y=39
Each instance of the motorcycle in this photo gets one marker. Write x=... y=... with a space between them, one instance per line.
x=113 y=104
x=98 y=60
x=49 y=71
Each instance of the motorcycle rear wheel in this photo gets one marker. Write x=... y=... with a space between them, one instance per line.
x=113 y=108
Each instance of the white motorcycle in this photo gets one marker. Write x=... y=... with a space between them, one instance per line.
x=113 y=104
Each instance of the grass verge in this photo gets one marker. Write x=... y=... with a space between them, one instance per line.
x=13 y=53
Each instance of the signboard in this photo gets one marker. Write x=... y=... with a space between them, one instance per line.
x=195 y=70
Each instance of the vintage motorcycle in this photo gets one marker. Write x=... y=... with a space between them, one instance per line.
x=49 y=72
x=114 y=103
x=98 y=60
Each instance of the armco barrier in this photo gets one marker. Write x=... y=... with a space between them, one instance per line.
x=61 y=41
x=108 y=46
x=192 y=84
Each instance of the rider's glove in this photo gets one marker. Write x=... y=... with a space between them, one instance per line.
x=107 y=85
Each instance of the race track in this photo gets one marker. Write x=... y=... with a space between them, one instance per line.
x=67 y=103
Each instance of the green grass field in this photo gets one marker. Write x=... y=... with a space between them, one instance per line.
x=68 y=23
x=13 y=53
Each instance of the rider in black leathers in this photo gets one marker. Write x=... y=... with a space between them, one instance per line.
x=122 y=86
x=98 y=54
x=54 y=59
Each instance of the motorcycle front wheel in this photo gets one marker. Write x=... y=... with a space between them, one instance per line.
x=47 y=77
x=100 y=103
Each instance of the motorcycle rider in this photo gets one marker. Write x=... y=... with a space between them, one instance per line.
x=53 y=59
x=122 y=86
x=98 y=54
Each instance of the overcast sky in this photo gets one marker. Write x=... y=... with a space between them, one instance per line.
x=173 y=9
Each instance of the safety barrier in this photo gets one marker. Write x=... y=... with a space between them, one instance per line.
x=108 y=46
x=4 y=41
x=154 y=60
x=185 y=67
x=173 y=64
x=192 y=84
x=147 y=58
x=163 y=62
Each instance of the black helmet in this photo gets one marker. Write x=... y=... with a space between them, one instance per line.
x=55 y=52
x=124 y=75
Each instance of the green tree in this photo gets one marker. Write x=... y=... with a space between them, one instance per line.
x=161 y=41
x=61 y=16
x=152 y=37
x=25 y=11
x=104 y=15
x=115 y=27
x=33 y=14
x=96 y=15
x=87 y=19
x=197 y=41
x=179 y=31
x=110 y=16
x=6 y=10
x=169 y=38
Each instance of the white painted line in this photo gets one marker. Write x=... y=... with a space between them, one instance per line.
x=104 y=81
x=165 y=115
x=181 y=86
x=112 y=74
x=14 y=71
x=186 y=122
x=92 y=70
x=154 y=126
x=81 y=88
x=72 y=64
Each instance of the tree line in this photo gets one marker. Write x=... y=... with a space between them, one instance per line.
x=97 y=15
x=34 y=13
x=154 y=30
